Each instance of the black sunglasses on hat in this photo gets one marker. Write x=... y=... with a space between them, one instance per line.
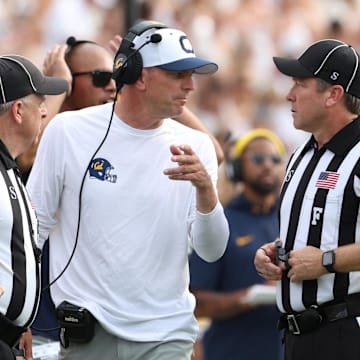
x=99 y=78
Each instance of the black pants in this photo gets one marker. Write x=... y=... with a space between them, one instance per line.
x=6 y=352
x=332 y=341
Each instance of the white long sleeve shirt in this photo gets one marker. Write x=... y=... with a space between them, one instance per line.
x=130 y=265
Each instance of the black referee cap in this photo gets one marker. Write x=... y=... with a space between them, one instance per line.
x=330 y=60
x=19 y=77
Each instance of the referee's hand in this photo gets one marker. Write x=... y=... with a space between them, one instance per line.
x=305 y=264
x=266 y=264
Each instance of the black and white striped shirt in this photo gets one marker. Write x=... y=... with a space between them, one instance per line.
x=320 y=207
x=19 y=263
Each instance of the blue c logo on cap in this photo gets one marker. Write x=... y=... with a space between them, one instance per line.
x=186 y=45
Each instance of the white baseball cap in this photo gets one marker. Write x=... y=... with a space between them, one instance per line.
x=170 y=49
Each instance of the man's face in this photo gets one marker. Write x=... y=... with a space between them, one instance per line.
x=307 y=104
x=167 y=91
x=85 y=93
x=33 y=112
x=262 y=166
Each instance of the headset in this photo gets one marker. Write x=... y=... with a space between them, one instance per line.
x=234 y=170
x=234 y=165
x=128 y=61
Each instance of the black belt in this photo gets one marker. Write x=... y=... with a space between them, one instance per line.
x=312 y=318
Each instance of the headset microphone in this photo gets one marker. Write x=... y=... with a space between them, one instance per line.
x=155 y=38
x=128 y=61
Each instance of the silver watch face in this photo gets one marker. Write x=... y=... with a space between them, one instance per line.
x=328 y=258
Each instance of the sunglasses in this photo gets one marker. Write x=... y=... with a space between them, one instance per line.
x=259 y=159
x=99 y=78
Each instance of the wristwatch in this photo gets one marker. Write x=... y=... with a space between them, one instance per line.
x=328 y=260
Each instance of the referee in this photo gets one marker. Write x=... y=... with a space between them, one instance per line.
x=319 y=263
x=22 y=93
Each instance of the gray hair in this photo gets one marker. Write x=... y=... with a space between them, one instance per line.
x=351 y=102
x=5 y=107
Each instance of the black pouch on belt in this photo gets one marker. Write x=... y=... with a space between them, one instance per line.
x=310 y=319
x=9 y=332
x=77 y=324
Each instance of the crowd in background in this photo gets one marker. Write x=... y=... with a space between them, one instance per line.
x=242 y=36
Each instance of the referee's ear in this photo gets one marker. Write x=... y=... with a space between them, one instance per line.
x=17 y=110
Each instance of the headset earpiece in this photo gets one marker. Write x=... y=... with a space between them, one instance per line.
x=128 y=61
x=234 y=170
x=127 y=64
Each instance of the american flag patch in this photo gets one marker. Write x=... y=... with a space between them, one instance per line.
x=327 y=180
